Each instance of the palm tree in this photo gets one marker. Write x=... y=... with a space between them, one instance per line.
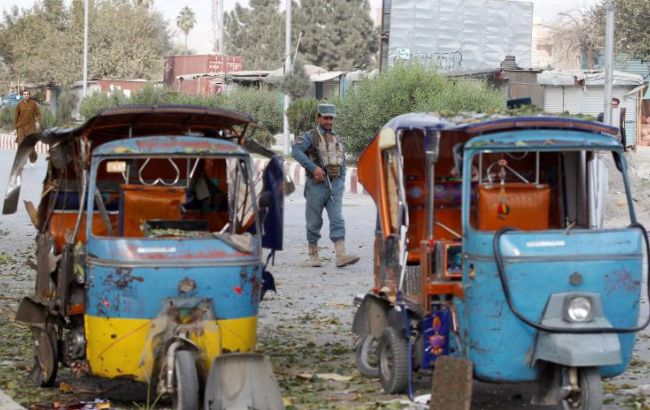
x=185 y=21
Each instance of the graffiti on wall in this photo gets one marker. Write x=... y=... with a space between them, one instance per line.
x=448 y=61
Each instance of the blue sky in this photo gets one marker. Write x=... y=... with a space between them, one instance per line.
x=198 y=39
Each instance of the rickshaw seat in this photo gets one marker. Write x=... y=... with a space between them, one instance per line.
x=63 y=222
x=520 y=205
x=139 y=203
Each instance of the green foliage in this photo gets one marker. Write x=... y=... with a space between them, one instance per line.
x=297 y=83
x=256 y=33
x=65 y=104
x=48 y=119
x=263 y=105
x=632 y=33
x=7 y=118
x=407 y=88
x=337 y=34
x=45 y=43
x=99 y=101
x=301 y=114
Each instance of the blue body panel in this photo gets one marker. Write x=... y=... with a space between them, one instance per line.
x=500 y=345
x=131 y=278
x=540 y=263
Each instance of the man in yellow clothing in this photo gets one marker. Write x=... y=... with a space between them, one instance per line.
x=27 y=119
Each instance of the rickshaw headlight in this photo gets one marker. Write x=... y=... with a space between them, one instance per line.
x=579 y=309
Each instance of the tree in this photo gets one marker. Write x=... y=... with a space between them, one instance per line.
x=185 y=21
x=45 y=43
x=337 y=34
x=256 y=33
x=632 y=28
x=296 y=83
x=574 y=35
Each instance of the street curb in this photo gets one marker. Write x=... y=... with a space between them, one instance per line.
x=7 y=403
x=291 y=167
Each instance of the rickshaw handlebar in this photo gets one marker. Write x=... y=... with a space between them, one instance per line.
x=552 y=329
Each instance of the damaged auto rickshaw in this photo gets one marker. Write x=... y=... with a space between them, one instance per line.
x=151 y=227
x=493 y=261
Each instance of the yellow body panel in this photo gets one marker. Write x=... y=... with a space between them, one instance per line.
x=125 y=347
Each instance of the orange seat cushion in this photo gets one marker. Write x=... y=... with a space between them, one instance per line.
x=140 y=203
x=517 y=205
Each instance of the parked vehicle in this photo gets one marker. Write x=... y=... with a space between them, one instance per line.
x=491 y=253
x=10 y=100
x=149 y=265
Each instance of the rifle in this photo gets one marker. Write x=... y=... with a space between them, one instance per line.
x=324 y=168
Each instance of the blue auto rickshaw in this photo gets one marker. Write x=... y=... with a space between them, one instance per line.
x=492 y=258
x=151 y=230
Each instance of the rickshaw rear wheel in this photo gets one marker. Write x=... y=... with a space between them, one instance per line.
x=186 y=382
x=46 y=362
x=590 y=394
x=393 y=361
x=367 y=356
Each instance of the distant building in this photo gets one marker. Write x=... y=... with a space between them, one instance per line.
x=583 y=92
x=178 y=67
x=456 y=34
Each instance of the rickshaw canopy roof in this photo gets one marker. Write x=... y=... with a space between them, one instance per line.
x=138 y=120
x=165 y=145
x=418 y=121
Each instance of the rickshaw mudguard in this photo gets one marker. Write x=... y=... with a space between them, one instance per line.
x=576 y=350
x=242 y=381
x=538 y=264
x=372 y=316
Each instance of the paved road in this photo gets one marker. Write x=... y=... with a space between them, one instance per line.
x=325 y=291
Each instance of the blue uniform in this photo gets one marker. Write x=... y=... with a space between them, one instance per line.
x=318 y=193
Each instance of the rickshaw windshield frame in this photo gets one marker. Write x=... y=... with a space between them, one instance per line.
x=532 y=141
x=243 y=165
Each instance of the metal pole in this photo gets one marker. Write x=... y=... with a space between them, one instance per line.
x=609 y=57
x=221 y=51
x=287 y=70
x=85 y=75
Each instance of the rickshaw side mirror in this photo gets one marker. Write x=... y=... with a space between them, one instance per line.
x=265 y=199
x=458 y=157
x=618 y=161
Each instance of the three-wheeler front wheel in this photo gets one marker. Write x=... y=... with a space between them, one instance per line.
x=587 y=393
x=186 y=382
x=393 y=361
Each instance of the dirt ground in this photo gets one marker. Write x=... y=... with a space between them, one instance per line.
x=304 y=328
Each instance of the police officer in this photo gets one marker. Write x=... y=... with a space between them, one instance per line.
x=321 y=153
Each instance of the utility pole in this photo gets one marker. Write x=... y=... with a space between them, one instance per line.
x=217 y=26
x=609 y=57
x=287 y=71
x=85 y=68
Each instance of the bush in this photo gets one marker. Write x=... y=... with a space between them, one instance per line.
x=301 y=114
x=263 y=105
x=402 y=89
x=99 y=101
x=65 y=104
x=48 y=119
x=7 y=118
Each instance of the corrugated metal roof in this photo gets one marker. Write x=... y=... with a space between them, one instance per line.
x=629 y=65
x=571 y=77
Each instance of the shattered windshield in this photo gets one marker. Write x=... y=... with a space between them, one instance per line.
x=154 y=197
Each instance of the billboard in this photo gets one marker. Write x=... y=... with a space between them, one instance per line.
x=458 y=35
